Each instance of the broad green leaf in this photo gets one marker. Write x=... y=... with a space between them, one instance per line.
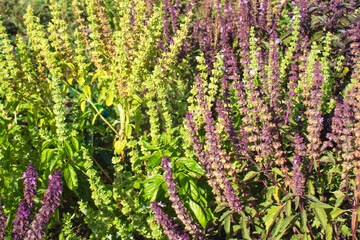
x=191 y=165
x=156 y=159
x=250 y=175
x=311 y=187
x=288 y=210
x=110 y=99
x=278 y=171
x=336 y=212
x=244 y=229
x=284 y=226
x=199 y=213
x=83 y=105
x=321 y=216
x=75 y=143
x=345 y=230
x=119 y=146
x=70 y=177
x=277 y=225
x=87 y=91
x=148 y=146
x=287 y=197
x=47 y=143
x=329 y=232
x=61 y=236
x=54 y=162
x=227 y=224
x=152 y=186
x=313 y=198
x=340 y=196
x=225 y=215
x=81 y=80
x=304 y=220
x=320 y=205
x=68 y=150
x=47 y=155
x=271 y=216
x=128 y=130
x=221 y=207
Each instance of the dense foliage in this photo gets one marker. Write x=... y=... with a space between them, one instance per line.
x=171 y=119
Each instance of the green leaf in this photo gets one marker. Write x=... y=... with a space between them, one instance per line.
x=110 y=99
x=278 y=172
x=271 y=216
x=345 y=230
x=250 y=175
x=277 y=226
x=335 y=213
x=75 y=143
x=119 y=146
x=68 y=150
x=155 y=160
x=53 y=163
x=152 y=186
x=71 y=177
x=87 y=91
x=81 y=80
x=311 y=187
x=236 y=229
x=320 y=205
x=83 y=105
x=227 y=224
x=148 y=146
x=320 y=215
x=221 y=207
x=313 y=198
x=61 y=236
x=47 y=155
x=288 y=210
x=340 y=196
x=284 y=226
x=199 y=213
x=128 y=130
x=47 y=143
x=304 y=220
x=244 y=229
x=191 y=165
x=329 y=232
x=225 y=214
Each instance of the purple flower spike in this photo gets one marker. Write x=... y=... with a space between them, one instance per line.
x=298 y=179
x=193 y=228
x=50 y=202
x=171 y=228
x=3 y=219
x=23 y=214
x=30 y=183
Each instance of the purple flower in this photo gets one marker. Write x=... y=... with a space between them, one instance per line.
x=50 y=202
x=30 y=183
x=313 y=113
x=192 y=227
x=3 y=219
x=132 y=14
x=165 y=21
x=23 y=214
x=171 y=228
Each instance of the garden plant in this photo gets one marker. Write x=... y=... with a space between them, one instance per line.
x=180 y=119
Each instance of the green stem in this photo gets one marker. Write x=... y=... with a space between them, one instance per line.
x=99 y=113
